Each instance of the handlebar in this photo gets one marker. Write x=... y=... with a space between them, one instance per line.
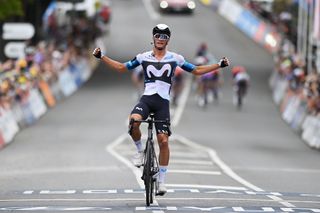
x=150 y=120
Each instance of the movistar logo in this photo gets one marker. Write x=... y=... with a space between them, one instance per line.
x=158 y=73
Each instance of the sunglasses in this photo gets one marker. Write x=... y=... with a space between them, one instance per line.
x=161 y=36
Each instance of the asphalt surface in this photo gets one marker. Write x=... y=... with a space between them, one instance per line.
x=77 y=157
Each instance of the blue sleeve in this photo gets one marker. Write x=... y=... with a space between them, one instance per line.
x=188 y=66
x=132 y=64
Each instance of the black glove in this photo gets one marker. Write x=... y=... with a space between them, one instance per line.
x=97 y=53
x=223 y=62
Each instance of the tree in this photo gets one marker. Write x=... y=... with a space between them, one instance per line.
x=10 y=8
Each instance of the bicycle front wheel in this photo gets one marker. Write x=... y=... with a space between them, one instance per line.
x=148 y=179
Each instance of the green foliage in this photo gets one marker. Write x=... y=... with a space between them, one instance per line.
x=10 y=8
x=281 y=5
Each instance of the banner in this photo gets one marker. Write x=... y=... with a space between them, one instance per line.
x=67 y=83
x=37 y=106
x=8 y=125
x=47 y=94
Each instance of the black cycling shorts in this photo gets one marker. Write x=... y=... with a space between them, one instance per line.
x=157 y=105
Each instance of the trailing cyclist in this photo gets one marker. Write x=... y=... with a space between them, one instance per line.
x=159 y=66
x=241 y=81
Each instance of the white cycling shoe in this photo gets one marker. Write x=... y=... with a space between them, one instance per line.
x=137 y=159
x=162 y=189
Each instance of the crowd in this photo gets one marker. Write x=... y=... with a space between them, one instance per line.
x=291 y=67
x=49 y=71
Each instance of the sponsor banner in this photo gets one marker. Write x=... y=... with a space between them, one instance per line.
x=2 y=143
x=8 y=125
x=291 y=109
x=231 y=10
x=18 y=114
x=299 y=116
x=258 y=30
x=66 y=82
x=85 y=70
x=248 y=23
x=76 y=74
x=47 y=94
x=309 y=127
x=28 y=117
x=279 y=91
x=36 y=103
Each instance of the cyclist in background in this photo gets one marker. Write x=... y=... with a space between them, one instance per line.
x=159 y=66
x=208 y=85
x=241 y=80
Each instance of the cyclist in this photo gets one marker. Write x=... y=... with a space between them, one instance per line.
x=241 y=81
x=158 y=66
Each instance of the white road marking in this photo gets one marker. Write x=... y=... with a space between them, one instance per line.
x=152 y=13
x=193 y=162
x=182 y=102
x=207 y=186
x=215 y=158
x=159 y=198
x=180 y=171
x=226 y=169
x=135 y=170
x=280 y=200
x=58 y=170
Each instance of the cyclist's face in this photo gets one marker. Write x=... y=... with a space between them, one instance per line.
x=159 y=42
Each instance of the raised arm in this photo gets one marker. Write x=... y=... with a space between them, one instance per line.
x=203 y=69
x=108 y=61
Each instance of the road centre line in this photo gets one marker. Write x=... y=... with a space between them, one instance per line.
x=180 y=171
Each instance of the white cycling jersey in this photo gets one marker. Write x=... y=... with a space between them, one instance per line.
x=242 y=76
x=158 y=74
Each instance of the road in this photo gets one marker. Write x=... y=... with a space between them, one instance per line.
x=77 y=157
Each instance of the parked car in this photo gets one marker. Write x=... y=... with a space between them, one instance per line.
x=177 y=5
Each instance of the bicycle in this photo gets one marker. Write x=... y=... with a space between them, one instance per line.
x=150 y=164
x=241 y=92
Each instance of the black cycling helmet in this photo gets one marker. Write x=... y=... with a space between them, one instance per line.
x=162 y=29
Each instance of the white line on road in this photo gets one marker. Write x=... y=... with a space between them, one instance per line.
x=226 y=169
x=194 y=172
x=142 y=199
x=280 y=200
x=193 y=162
x=207 y=186
x=135 y=170
x=182 y=102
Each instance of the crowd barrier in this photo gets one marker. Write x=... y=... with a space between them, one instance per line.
x=40 y=98
x=293 y=110
x=293 y=107
x=242 y=18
